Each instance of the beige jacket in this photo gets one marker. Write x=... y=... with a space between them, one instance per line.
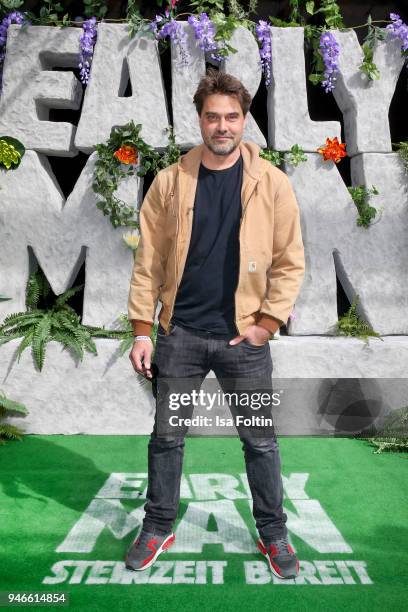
x=271 y=248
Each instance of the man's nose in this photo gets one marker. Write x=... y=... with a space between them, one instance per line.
x=222 y=125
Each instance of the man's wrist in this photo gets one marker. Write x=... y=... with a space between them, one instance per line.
x=269 y=333
x=141 y=328
x=271 y=324
x=142 y=338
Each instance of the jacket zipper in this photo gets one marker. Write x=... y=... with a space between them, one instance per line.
x=176 y=273
x=239 y=265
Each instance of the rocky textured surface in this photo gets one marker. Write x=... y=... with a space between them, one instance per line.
x=103 y=394
x=63 y=235
x=365 y=104
x=327 y=383
x=289 y=121
x=369 y=261
x=30 y=87
x=246 y=67
x=116 y=58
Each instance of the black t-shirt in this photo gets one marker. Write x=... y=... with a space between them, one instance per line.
x=205 y=298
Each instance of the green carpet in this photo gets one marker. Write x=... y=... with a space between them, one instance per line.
x=70 y=506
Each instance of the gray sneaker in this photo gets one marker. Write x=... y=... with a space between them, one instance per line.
x=281 y=557
x=146 y=548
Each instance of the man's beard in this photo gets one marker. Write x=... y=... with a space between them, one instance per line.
x=222 y=148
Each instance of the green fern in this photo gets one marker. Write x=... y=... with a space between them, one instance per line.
x=392 y=435
x=402 y=149
x=8 y=431
x=38 y=326
x=69 y=293
x=37 y=287
x=351 y=325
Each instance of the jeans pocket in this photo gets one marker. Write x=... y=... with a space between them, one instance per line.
x=162 y=332
x=246 y=342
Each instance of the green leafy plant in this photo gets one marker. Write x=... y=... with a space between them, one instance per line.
x=333 y=20
x=7 y=6
x=49 y=15
x=295 y=13
x=171 y=154
x=281 y=23
x=331 y=13
x=38 y=326
x=402 y=150
x=296 y=18
x=312 y=37
x=128 y=338
x=392 y=436
x=370 y=41
x=10 y=407
x=95 y=8
x=137 y=23
x=11 y=152
x=295 y=156
x=207 y=6
x=360 y=195
x=238 y=11
x=275 y=157
x=350 y=324
x=109 y=170
x=225 y=27
x=368 y=66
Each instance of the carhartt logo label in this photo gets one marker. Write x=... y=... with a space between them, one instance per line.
x=252 y=266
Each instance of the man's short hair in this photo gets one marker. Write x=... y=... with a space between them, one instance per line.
x=222 y=83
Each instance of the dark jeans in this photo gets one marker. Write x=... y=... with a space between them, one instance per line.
x=190 y=356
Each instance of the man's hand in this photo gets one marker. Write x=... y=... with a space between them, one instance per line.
x=255 y=334
x=142 y=349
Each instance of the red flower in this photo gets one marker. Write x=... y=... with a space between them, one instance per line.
x=333 y=150
x=126 y=154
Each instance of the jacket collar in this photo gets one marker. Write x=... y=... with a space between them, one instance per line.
x=190 y=161
x=189 y=165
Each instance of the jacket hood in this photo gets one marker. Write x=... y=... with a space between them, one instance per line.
x=253 y=164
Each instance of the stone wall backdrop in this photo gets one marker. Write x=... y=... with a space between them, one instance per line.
x=49 y=218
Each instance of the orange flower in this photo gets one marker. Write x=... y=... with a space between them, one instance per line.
x=126 y=154
x=333 y=150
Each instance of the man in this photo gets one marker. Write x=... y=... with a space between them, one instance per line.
x=221 y=248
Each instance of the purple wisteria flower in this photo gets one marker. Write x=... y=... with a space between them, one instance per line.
x=204 y=32
x=14 y=17
x=330 y=51
x=398 y=29
x=263 y=34
x=170 y=27
x=87 y=43
x=292 y=315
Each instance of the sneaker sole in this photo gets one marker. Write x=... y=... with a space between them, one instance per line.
x=164 y=546
x=263 y=550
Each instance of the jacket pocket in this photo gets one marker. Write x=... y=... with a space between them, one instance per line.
x=255 y=264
